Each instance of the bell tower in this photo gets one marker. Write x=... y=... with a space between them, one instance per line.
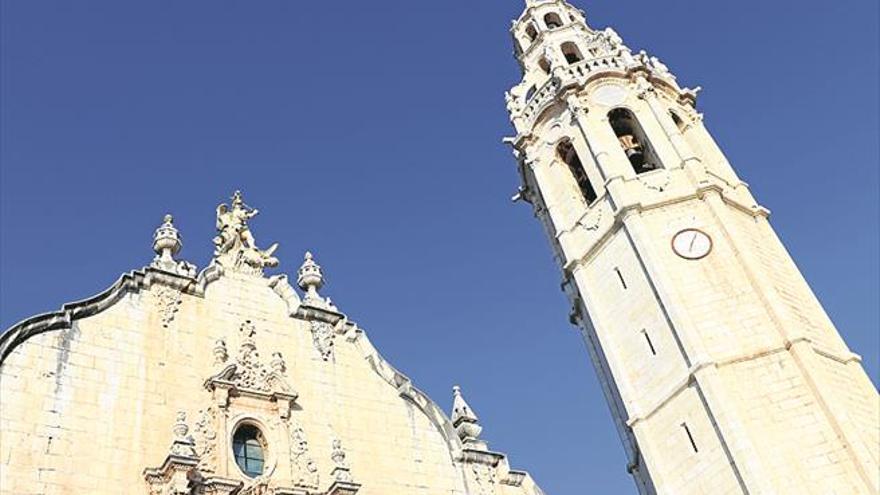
x=722 y=371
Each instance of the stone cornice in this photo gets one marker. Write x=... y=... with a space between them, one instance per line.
x=576 y=77
x=139 y=280
x=131 y=282
x=636 y=208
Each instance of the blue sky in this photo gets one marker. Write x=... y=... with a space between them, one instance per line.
x=370 y=133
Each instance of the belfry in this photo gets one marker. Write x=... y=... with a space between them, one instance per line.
x=721 y=369
x=225 y=381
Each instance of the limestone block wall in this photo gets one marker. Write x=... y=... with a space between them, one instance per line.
x=87 y=408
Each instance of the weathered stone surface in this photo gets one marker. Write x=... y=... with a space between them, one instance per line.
x=723 y=372
x=142 y=388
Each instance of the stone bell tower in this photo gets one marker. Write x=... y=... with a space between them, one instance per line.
x=721 y=369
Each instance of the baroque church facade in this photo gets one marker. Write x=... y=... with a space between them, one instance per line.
x=225 y=382
x=722 y=371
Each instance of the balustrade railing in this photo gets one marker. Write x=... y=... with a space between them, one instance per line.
x=577 y=73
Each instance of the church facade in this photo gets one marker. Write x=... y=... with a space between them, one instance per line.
x=723 y=373
x=225 y=381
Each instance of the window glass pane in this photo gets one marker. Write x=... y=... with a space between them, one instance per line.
x=238 y=449
x=255 y=467
x=254 y=451
x=247 y=448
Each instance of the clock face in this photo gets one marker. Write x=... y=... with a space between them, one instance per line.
x=692 y=244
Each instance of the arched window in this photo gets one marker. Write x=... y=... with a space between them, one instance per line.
x=633 y=141
x=571 y=52
x=568 y=155
x=249 y=449
x=544 y=64
x=678 y=122
x=531 y=32
x=530 y=93
x=552 y=20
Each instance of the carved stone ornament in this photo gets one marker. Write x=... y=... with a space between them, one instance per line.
x=343 y=483
x=168 y=302
x=205 y=433
x=551 y=57
x=235 y=247
x=305 y=470
x=176 y=475
x=514 y=99
x=248 y=374
x=485 y=478
x=323 y=337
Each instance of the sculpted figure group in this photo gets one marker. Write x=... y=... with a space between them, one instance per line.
x=234 y=235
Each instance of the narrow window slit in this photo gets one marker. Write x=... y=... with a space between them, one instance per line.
x=650 y=344
x=620 y=276
x=690 y=437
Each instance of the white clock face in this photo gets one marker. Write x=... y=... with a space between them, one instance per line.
x=692 y=244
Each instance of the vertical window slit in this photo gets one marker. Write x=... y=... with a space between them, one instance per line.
x=650 y=344
x=620 y=276
x=690 y=437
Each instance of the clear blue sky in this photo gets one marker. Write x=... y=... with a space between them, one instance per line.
x=369 y=132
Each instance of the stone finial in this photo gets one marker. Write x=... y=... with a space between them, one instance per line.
x=183 y=444
x=166 y=244
x=465 y=421
x=174 y=475
x=277 y=363
x=343 y=483
x=248 y=332
x=221 y=355
x=311 y=279
x=341 y=471
x=166 y=240
x=180 y=427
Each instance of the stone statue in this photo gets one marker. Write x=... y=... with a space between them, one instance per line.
x=235 y=238
x=613 y=38
x=659 y=67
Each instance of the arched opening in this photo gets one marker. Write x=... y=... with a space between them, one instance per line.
x=248 y=447
x=633 y=141
x=552 y=20
x=569 y=155
x=544 y=64
x=531 y=32
x=678 y=122
x=530 y=93
x=571 y=52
